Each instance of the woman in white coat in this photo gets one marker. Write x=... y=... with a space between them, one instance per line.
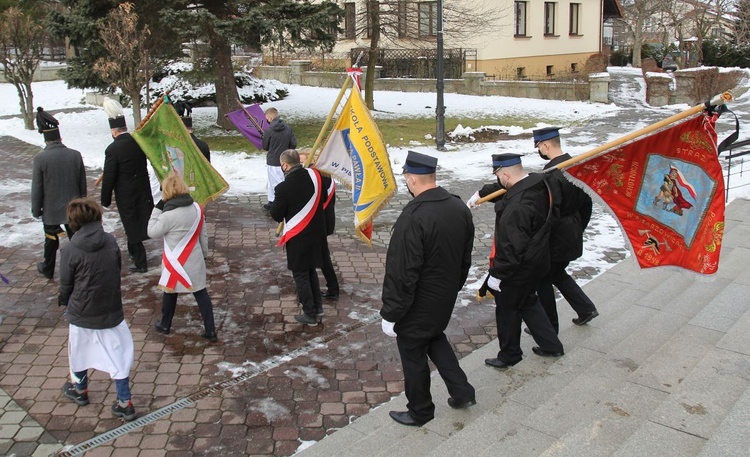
x=180 y=221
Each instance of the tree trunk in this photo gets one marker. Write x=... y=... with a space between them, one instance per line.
x=27 y=107
x=372 y=55
x=637 y=45
x=226 y=88
x=135 y=98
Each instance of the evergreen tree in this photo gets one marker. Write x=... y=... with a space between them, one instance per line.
x=286 y=24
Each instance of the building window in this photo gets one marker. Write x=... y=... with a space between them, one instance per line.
x=520 y=17
x=549 y=18
x=520 y=72
x=574 y=68
x=575 y=18
x=550 y=70
x=350 y=21
x=428 y=19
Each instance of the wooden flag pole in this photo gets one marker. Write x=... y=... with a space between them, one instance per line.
x=332 y=113
x=716 y=101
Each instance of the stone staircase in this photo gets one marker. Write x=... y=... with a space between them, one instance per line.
x=664 y=371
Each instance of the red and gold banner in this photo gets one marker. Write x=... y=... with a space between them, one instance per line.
x=667 y=192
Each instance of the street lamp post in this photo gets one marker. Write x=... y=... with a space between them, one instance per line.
x=440 y=110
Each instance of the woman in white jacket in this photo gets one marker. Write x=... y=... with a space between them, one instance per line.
x=180 y=221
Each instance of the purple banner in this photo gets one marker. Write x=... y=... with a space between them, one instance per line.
x=251 y=122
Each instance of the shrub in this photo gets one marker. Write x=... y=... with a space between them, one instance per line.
x=620 y=58
x=186 y=82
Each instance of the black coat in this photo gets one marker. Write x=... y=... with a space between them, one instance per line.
x=522 y=225
x=277 y=138
x=202 y=146
x=572 y=215
x=305 y=250
x=125 y=172
x=330 y=210
x=90 y=278
x=428 y=260
x=58 y=176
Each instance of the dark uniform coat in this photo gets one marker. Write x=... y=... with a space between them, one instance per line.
x=428 y=260
x=572 y=216
x=58 y=176
x=125 y=172
x=202 y=146
x=330 y=210
x=522 y=233
x=305 y=250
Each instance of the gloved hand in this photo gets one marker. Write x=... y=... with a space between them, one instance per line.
x=388 y=328
x=493 y=283
x=61 y=301
x=472 y=202
x=160 y=205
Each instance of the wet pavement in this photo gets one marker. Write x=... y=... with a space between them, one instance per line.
x=270 y=386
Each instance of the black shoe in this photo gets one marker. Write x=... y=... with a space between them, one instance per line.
x=267 y=206
x=69 y=390
x=586 y=318
x=135 y=269
x=128 y=412
x=404 y=418
x=497 y=363
x=161 y=329
x=210 y=336
x=40 y=269
x=305 y=319
x=453 y=403
x=539 y=351
x=331 y=295
x=526 y=330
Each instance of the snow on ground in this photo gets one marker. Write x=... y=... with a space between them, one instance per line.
x=88 y=132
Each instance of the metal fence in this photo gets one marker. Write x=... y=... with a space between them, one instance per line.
x=415 y=63
x=736 y=164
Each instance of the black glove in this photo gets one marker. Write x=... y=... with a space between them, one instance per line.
x=160 y=205
x=62 y=301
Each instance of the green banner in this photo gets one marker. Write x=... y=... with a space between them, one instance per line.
x=168 y=146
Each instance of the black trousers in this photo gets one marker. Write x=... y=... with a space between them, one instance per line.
x=169 y=304
x=308 y=291
x=138 y=253
x=332 y=282
x=572 y=292
x=512 y=306
x=414 y=354
x=51 y=245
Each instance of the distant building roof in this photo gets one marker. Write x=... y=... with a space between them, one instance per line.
x=612 y=9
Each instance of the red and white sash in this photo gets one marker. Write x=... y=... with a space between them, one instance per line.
x=331 y=192
x=299 y=221
x=174 y=259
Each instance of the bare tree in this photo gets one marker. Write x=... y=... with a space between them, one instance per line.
x=127 y=63
x=413 y=25
x=22 y=39
x=637 y=14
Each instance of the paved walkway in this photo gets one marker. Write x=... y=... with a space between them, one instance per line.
x=269 y=387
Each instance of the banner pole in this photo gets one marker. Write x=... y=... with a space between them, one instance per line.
x=152 y=110
x=717 y=100
x=327 y=123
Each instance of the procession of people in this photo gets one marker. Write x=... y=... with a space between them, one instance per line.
x=539 y=221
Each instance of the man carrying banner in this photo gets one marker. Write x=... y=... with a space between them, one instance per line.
x=520 y=257
x=566 y=237
x=299 y=204
x=332 y=282
x=185 y=111
x=427 y=263
x=125 y=172
x=277 y=138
